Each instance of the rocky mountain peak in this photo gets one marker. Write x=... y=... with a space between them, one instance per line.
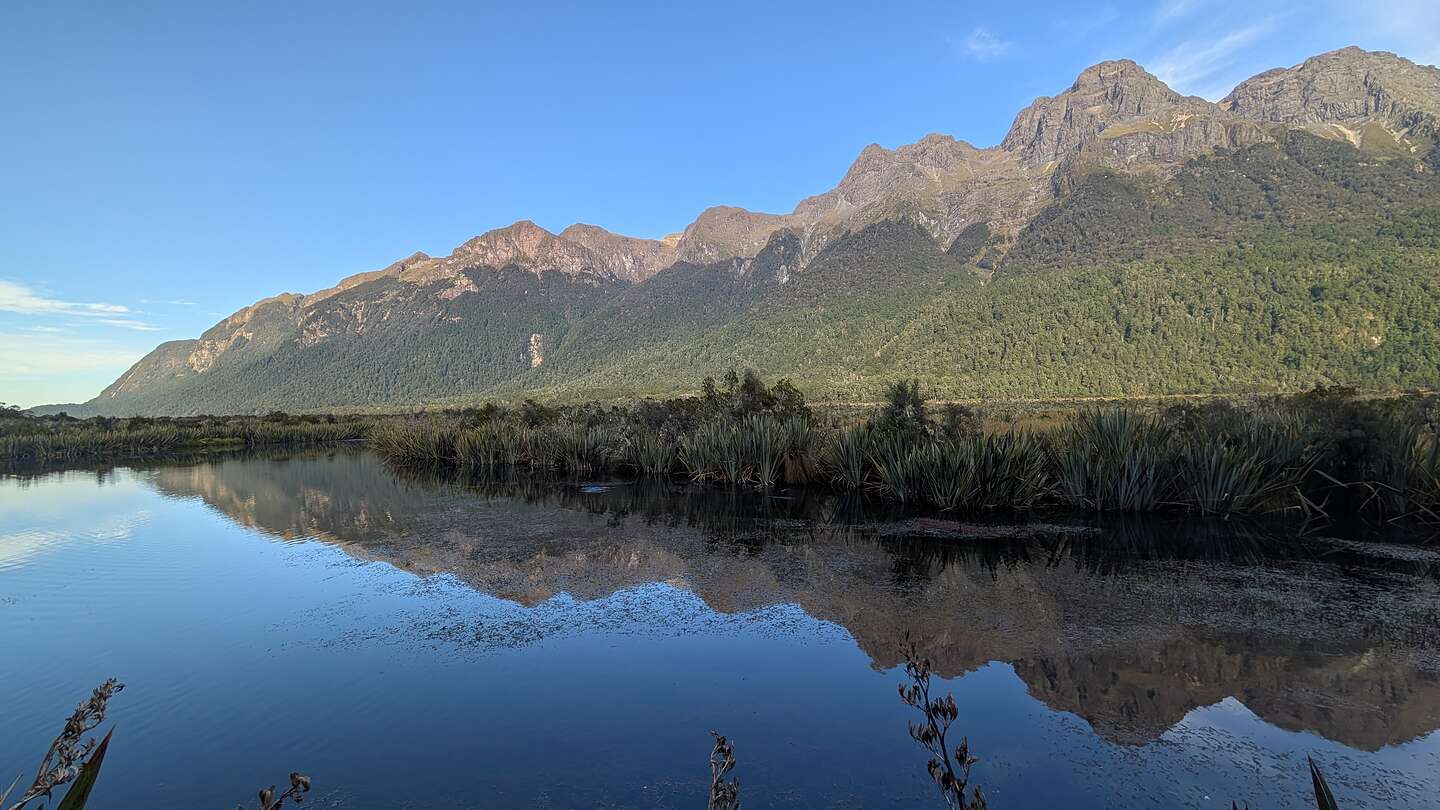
x=623 y=256
x=520 y=238
x=934 y=152
x=394 y=269
x=937 y=145
x=417 y=256
x=726 y=231
x=883 y=181
x=522 y=244
x=1348 y=86
x=1113 y=73
x=1114 y=116
x=581 y=232
x=1052 y=126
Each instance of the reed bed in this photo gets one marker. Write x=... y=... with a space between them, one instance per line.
x=128 y=439
x=1315 y=455
x=1406 y=476
x=1230 y=462
x=651 y=453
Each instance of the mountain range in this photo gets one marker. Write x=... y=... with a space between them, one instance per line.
x=1121 y=240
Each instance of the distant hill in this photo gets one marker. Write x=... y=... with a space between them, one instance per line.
x=1121 y=240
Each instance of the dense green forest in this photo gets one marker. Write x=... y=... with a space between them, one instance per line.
x=1277 y=267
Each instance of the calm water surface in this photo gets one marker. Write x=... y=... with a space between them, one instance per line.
x=411 y=644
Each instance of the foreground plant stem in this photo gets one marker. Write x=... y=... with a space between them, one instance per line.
x=723 y=795
x=69 y=754
x=951 y=774
x=299 y=786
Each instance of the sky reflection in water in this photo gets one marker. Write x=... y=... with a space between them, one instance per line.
x=413 y=644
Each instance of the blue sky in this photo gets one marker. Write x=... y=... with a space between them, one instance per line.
x=167 y=164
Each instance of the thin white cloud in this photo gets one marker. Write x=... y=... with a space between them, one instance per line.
x=174 y=302
x=24 y=301
x=25 y=357
x=40 y=368
x=982 y=45
x=130 y=323
x=1204 y=65
x=1173 y=11
x=50 y=330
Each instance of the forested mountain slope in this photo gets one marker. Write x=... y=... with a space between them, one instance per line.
x=1122 y=240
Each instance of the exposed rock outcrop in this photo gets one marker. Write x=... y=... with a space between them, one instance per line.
x=1054 y=126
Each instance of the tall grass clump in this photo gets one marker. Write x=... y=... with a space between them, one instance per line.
x=845 y=456
x=271 y=434
x=1116 y=459
x=710 y=453
x=87 y=443
x=977 y=473
x=756 y=450
x=799 y=441
x=1245 y=462
x=1407 y=474
x=763 y=441
x=1014 y=470
x=946 y=472
x=427 y=442
x=515 y=445
x=651 y=452
x=484 y=447
x=28 y=439
x=577 y=448
x=895 y=459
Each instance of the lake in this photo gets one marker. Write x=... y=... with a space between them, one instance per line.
x=413 y=643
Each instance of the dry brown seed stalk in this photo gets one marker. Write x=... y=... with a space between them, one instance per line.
x=69 y=752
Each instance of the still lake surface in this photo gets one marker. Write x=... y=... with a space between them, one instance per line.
x=410 y=643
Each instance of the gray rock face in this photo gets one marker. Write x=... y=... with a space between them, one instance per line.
x=1161 y=141
x=726 y=232
x=526 y=245
x=939 y=183
x=925 y=167
x=1053 y=126
x=1345 y=86
x=624 y=257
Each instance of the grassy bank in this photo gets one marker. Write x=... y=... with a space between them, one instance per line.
x=1321 y=454
x=1324 y=453
x=28 y=440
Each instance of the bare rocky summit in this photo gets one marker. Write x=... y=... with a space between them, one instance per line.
x=1108 y=93
x=726 y=232
x=1348 y=86
x=624 y=257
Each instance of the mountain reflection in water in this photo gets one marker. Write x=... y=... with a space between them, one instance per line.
x=1130 y=623
x=568 y=644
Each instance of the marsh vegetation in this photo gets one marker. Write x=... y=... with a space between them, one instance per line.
x=1316 y=455
x=1321 y=454
x=26 y=440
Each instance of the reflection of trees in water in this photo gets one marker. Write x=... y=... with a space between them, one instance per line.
x=1129 y=622
x=743 y=518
